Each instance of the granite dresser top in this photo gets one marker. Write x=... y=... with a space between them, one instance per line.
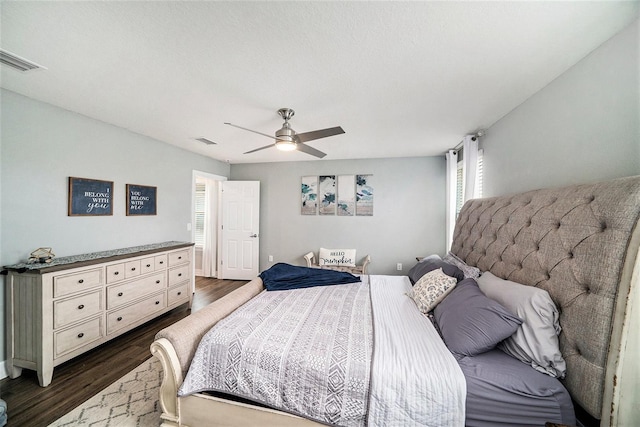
x=67 y=262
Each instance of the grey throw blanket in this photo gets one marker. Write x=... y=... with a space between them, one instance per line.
x=307 y=352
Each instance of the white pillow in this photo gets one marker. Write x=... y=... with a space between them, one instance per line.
x=536 y=340
x=430 y=289
x=339 y=257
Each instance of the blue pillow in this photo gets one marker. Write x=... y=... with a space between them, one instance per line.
x=431 y=263
x=472 y=323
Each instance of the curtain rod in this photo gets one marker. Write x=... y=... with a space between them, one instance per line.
x=474 y=136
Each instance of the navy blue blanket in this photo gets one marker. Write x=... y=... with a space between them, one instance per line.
x=285 y=276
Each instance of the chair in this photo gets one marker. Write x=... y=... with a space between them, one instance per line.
x=358 y=269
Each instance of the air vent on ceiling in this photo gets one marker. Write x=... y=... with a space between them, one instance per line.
x=20 y=64
x=206 y=141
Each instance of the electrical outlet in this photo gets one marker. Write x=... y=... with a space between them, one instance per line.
x=270 y=258
x=399 y=266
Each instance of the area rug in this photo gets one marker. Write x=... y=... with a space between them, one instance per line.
x=132 y=401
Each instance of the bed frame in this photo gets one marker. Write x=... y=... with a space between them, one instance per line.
x=579 y=243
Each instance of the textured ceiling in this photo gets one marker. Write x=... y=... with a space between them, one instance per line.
x=401 y=78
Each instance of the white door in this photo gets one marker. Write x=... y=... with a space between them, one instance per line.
x=240 y=230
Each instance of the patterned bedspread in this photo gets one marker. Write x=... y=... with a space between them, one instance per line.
x=305 y=351
x=310 y=352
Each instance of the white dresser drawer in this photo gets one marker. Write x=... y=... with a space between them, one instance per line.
x=179 y=274
x=147 y=265
x=178 y=257
x=131 y=269
x=76 y=282
x=77 y=308
x=177 y=294
x=160 y=261
x=115 y=273
x=118 y=295
x=126 y=316
x=78 y=336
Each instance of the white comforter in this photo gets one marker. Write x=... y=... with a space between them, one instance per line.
x=414 y=378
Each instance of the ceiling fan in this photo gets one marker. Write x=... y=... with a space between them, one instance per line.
x=288 y=140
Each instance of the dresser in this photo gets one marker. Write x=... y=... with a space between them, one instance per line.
x=57 y=311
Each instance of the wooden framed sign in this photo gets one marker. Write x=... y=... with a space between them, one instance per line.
x=90 y=197
x=141 y=200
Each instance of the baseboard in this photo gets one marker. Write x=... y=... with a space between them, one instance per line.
x=3 y=369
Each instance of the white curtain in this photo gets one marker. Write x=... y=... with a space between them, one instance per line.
x=452 y=166
x=209 y=251
x=470 y=157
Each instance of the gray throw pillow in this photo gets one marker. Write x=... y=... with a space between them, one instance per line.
x=431 y=263
x=470 y=322
x=469 y=271
x=536 y=340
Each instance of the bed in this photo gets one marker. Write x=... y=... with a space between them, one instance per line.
x=578 y=243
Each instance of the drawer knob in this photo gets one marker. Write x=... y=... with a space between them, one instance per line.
x=133 y=269
x=81 y=334
x=179 y=293
x=81 y=306
x=119 y=294
x=157 y=281
x=179 y=274
x=157 y=302
x=119 y=318
x=148 y=265
x=81 y=281
x=161 y=262
x=116 y=273
x=179 y=257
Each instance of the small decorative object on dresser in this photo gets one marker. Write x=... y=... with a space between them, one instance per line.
x=58 y=310
x=41 y=255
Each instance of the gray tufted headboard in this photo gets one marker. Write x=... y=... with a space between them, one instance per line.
x=580 y=244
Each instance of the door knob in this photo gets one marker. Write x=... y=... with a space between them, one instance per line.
x=254 y=235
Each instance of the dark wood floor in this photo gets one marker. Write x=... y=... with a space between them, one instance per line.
x=77 y=380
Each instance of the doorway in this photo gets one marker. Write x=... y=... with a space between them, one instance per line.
x=206 y=213
x=226 y=218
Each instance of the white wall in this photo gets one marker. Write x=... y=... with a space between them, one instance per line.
x=408 y=217
x=43 y=145
x=583 y=127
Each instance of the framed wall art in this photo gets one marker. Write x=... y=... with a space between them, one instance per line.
x=309 y=193
x=141 y=200
x=364 y=195
x=346 y=195
x=327 y=194
x=90 y=197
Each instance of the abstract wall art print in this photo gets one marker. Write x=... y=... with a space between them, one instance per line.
x=346 y=195
x=364 y=195
x=327 y=194
x=309 y=195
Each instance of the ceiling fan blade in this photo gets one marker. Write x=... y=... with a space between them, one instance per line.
x=310 y=150
x=317 y=134
x=261 y=148
x=250 y=130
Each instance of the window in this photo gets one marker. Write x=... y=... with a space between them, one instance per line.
x=199 y=211
x=460 y=179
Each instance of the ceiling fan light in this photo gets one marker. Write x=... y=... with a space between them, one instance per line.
x=285 y=145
